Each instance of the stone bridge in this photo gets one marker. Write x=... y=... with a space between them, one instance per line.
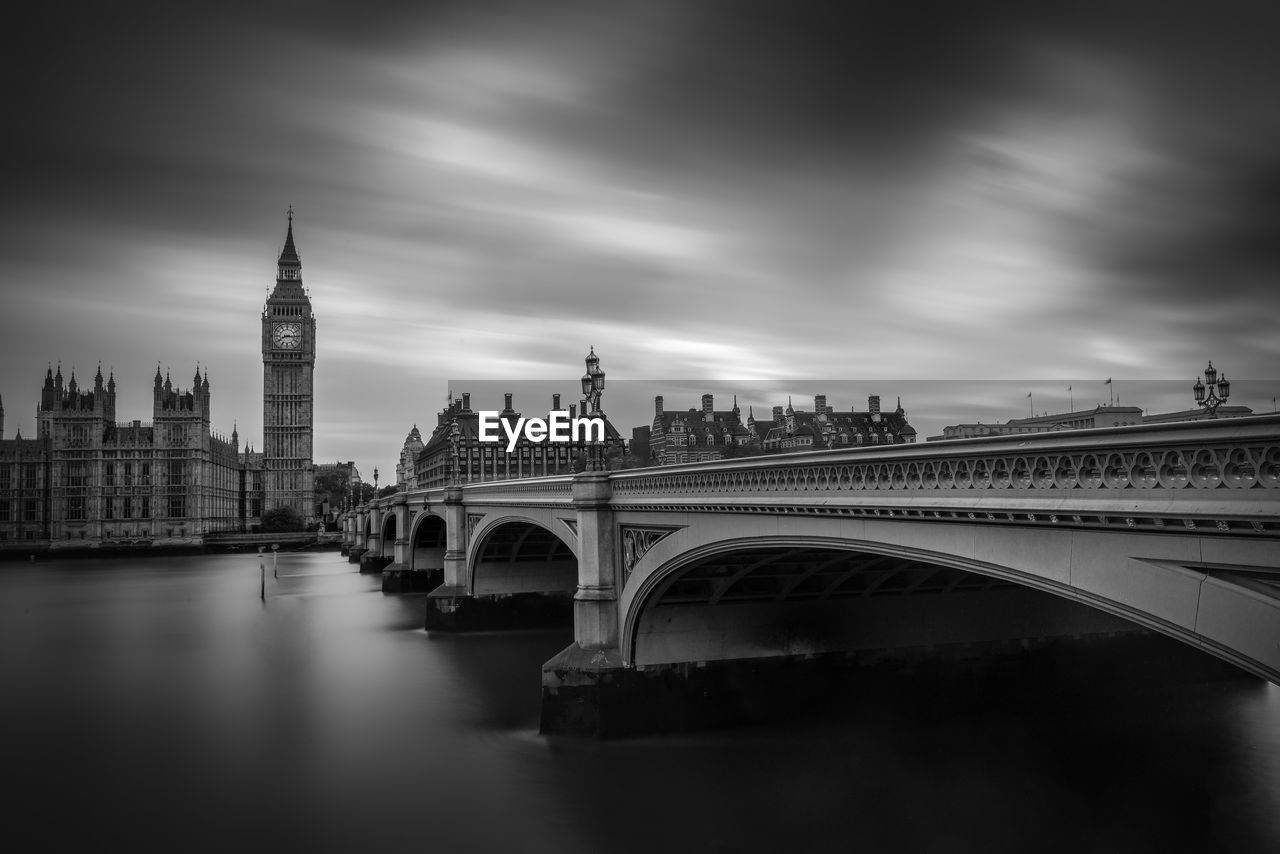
x=1172 y=527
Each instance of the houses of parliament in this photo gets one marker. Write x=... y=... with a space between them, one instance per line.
x=86 y=479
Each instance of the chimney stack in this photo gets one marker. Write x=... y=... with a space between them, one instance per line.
x=873 y=404
x=466 y=401
x=555 y=403
x=777 y=415
x=819 y=404
x=506 y=402
x=657 y=406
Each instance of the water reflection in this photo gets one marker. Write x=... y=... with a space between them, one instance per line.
x=159 y=704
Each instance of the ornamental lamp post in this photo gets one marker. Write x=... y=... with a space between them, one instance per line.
x=592 y=388
x=455 y=438
x=1212 y=392
x=375 y=483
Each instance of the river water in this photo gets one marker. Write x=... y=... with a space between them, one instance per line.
x=159 y=704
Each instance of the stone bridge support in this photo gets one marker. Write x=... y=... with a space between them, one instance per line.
x=448 y=597
x=372 y=560
x=359 y=542
x=585 y=683
x=395 y=575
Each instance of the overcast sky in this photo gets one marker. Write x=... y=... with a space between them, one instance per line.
x=780 y=192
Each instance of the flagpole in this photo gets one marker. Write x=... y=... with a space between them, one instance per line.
x=1072 y=398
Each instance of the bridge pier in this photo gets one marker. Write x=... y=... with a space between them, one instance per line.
x=372 y=560
x=359 y=541
x=396 y=575
x=586 y=690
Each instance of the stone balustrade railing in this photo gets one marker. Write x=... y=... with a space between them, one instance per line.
x=1222 y=455
x=1236 y=454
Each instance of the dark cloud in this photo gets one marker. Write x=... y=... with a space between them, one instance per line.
x=726 y=187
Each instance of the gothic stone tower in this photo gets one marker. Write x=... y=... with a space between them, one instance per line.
x=288 y=360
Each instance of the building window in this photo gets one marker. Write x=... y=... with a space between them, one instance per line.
x=6 y=511
x=30 y=510
x=177 y=506
x=5 y=477
x=75 y=508
x=29 y=476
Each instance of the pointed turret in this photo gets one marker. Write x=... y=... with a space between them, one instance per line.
x=195 y=383
x=289 y=255
x=168 y=384
x=159 y=380
x=57 y=378
x=111 y=382
x=73 y=386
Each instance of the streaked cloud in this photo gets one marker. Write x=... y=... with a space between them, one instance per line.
x=704 y=191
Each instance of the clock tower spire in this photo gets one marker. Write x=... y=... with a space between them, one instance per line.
x=288 y=362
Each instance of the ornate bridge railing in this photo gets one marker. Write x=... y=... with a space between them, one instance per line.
x=1217 y=455
x=1221 y=475
x=557 y=489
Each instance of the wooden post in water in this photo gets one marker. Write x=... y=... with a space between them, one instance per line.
x=262 y=571
x=275 y=560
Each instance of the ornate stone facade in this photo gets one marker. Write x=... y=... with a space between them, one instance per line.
x=485 y=461
x=288 y=390
x=711 y=434
x=85 y=479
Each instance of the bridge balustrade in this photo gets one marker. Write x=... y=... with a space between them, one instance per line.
x=1235 y=457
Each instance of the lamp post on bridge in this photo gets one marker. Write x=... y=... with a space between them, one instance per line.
x=375 y=483
x=592 y=387
x=1205 y=391
x=455 y=438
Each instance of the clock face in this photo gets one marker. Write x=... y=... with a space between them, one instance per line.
x=288 y=336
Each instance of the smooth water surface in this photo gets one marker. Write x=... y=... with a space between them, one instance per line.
x=159 y=704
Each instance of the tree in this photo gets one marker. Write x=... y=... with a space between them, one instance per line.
x=281 y=519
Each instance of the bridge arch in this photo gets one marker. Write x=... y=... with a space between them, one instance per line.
x=1161 y=583
x=428 y=541
x=518 y=554
x=388 y=532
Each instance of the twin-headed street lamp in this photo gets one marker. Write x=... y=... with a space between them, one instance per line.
x=1205 y=391
x=455 y=439
x=592 y=386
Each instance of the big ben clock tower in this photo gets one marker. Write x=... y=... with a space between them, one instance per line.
x=288 y=360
